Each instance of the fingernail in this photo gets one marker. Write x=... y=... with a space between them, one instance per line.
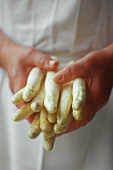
x=54 y=58
x=58 y=77
x=52 y=62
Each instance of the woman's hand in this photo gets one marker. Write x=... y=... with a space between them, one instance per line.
x=96 y=68
x=18 y=60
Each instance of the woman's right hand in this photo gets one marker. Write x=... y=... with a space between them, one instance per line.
x=18 y=60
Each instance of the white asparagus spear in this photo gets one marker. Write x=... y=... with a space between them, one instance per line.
x=33 y=83
x=38 y=101
x=64 y=103
x=45 y=125
x=17 y=98
x=48 y=143
x=49 y=134
x=61 y=128
x=23 y=112
x=52 y=91
x=52 y=117
x=34 y=130
x=79 y=98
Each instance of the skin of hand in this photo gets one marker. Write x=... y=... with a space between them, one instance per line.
x=96 y=68
x=18 y=60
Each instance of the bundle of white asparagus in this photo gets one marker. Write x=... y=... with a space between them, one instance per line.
x=55 y=106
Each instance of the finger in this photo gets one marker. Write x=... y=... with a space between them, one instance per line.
x=69 y=73
x=41 y=60
x=31 y=118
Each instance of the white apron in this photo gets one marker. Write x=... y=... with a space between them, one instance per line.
x=69 y=30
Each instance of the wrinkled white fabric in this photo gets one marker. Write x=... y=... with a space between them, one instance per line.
x=69 y=30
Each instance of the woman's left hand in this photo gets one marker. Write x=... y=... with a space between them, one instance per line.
x=96 y=68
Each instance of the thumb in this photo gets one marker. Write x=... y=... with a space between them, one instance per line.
x=69 y=73
x=41 y=60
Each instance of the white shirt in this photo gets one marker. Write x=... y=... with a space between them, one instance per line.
x=69 y=30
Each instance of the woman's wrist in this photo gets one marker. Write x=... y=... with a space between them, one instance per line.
x=10 y=52
x=6 y=45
